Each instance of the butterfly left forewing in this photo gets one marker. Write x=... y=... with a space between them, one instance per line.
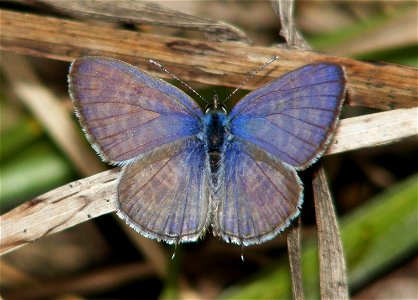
x=165 y=195
x=258 y=197
x=126 y=112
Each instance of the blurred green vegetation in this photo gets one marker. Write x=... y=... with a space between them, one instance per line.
x=376 y=236
x=30 y=164
x=375 y=25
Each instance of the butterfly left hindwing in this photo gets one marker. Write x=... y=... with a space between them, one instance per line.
x=165 y=195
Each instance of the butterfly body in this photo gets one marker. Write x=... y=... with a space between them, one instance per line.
x=216 y=133
x=185 y=171
x=216 y=129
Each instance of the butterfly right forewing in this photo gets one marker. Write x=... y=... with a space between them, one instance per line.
x=294 y=116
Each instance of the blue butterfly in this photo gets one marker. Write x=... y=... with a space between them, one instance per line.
x=185 y=170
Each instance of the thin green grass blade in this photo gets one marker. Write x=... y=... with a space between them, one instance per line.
x=375 y=236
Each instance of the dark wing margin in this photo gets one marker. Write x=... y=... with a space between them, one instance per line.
x=165 y=195
x=259 y=196
x=293 y=117
x=125 y=112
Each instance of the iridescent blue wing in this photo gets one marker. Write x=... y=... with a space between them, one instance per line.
x=293 y=117
x=258 y=195
x=150 y=127
x=165 y=194
x=126 y=112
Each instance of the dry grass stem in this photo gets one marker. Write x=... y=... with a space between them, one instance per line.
x=58 y=209
x=90 y=197
x=144 y=12
x=381 y=86
x=294 y=250
x=374 y=130
x=332 y=271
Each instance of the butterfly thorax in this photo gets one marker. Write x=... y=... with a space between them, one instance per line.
x=216 y=128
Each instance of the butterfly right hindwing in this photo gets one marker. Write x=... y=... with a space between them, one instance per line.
x=258 y=196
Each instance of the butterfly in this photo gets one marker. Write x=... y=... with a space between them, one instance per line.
x=185 y=170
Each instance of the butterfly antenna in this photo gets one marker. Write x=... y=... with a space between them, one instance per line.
x=178 y=79
x=242 y=252
x=252 y=74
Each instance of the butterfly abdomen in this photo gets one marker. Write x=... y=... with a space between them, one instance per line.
x=216 y=130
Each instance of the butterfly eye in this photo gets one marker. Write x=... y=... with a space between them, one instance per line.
x=215 y=107
x=208 y=108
